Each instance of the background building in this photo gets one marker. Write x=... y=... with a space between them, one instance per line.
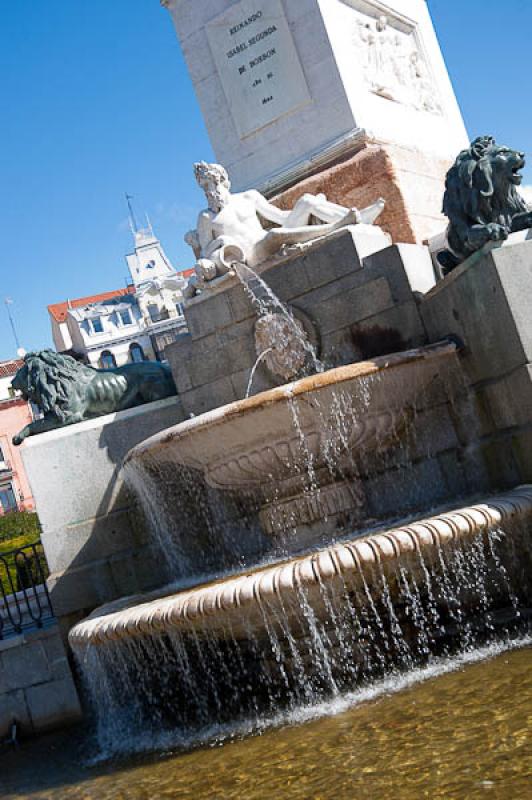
x=158 y=289
x=126 y=325
x=15 y=413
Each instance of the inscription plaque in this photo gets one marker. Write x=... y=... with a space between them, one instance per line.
x=258 y=63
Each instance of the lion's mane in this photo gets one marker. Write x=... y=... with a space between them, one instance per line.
x=49 y=378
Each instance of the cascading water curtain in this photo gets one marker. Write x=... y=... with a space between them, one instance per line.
x=296 y=635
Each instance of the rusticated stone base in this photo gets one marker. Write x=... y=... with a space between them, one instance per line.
x=411 y=182
x=359 y=294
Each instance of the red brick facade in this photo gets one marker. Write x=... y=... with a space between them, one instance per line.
x=411 y=183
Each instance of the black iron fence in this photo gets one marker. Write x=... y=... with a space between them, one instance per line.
x=24 y=599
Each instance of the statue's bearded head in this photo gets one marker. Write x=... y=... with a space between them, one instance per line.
x=214 y=181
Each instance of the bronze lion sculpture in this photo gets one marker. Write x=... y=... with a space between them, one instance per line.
x=68 y=391
x=481 y=199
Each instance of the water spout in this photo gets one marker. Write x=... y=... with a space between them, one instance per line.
x=266 y=301
x=254 y=369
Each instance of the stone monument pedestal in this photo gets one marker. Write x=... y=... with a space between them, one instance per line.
x=346 y=97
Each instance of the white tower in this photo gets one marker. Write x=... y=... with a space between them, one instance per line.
x=158 y=287
x=148 y=262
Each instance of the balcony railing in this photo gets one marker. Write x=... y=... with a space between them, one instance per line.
x=24 y=599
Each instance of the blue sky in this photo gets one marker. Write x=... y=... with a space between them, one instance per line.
x=96 y=101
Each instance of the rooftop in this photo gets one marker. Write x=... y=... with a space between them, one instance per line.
x=9 y=368
x=59 y=311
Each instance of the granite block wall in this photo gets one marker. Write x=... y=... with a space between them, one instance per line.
x=96 y=542
x=359 y=292
x=487 y=304
x=37 y=690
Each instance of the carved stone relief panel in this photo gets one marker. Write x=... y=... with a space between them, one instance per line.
x=391 y=55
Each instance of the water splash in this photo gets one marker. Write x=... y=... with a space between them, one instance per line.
x=265 y=301
x=313 y=648
x=317 y=650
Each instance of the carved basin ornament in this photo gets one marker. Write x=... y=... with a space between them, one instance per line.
x=284 y=343
x=300 y=445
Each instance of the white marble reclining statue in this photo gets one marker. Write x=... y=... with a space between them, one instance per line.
x=230 y=230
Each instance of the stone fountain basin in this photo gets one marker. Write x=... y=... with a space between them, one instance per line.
x=236 y=605
x=279 y=434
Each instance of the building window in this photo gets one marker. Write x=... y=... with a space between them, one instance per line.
x=136 y=353
x=8 y=500
x=96 y=325
x=180 y=309
x=107 y=360
x=124 y=317
x=157 y=314
x=3 y=463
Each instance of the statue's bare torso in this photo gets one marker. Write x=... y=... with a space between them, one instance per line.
x=245 y=227
x=237 y=220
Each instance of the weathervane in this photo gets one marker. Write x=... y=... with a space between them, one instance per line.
x=9 y=302
x=132 y=221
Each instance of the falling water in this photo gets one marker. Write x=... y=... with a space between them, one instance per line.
x=311 y=646
x=254 y=369
x=310 y=649
x=200 y=533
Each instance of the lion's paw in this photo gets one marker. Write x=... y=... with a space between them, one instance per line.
x=496 y=232
x=527 y=220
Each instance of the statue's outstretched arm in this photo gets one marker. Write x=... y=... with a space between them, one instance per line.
x=192 y=239
x=267 y=209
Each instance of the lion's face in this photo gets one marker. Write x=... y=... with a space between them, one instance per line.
x=506 y=166
x=20 y=382
x=481 y=189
